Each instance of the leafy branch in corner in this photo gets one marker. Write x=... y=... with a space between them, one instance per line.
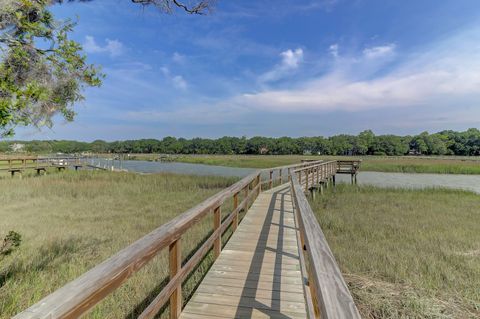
x=42 y=71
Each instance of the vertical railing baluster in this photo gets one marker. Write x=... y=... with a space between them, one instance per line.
x=270 y=183
x=217 y=218
x=235 y=216
x=175 y=254
x=306 y=179
x=259 y=184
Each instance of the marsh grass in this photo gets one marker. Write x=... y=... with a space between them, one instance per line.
x=72 y=221
x=406 y=253
x=446 y=165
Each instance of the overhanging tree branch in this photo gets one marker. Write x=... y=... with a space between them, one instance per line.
x=201 y=7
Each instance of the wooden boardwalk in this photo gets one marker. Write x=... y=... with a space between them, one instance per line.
x=277 y=263
x=257 y=274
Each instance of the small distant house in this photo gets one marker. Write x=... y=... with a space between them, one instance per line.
x=307 y=152
x=414 y=152
x=263 y=150
x=17 y=147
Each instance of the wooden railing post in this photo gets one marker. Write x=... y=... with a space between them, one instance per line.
x=270 y=183
x=175 y=254
x=217 y=219
x=280 y=173
x=235 y=217
x=259 y=184
x=306 y=180
x=289 y=176
x=246 y=196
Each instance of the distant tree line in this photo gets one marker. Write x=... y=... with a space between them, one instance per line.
x=465 y=143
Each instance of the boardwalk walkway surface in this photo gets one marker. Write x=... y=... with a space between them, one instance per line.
x=258 y=273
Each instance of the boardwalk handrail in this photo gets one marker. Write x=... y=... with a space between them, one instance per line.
x=332 y=298
x=80 y=295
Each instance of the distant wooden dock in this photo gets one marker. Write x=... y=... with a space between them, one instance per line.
x=277 y=263
x=18 y=165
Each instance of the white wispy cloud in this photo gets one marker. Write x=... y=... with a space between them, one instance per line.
x=177 y=80
x=434 y=85
x=433 y=75
x=112 y=47
x=379 y=51
x=291 y=60
x=333 y=49
x=179 y=58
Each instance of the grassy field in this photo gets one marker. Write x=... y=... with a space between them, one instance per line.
x=72 y=221
x=406 y=253
x=452 y=165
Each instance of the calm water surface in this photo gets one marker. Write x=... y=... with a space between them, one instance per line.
x=467 y=182
x=179 y=168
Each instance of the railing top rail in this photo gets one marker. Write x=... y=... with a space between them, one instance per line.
x=17 y=158
x=330 y=289
x=313 y=165
x=349 y=161
x=3 y=159
x=291 y=166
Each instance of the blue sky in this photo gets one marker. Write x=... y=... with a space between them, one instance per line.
x=276 y=68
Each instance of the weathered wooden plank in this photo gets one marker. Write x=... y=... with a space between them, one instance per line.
x=268 y=241
x=290 y=250
x=266 y=277
x=258 y=270
x=238 y=312
x=251 y=292
x=251 y=302
x=241 y=283
x=186 y=315
x=284 y=264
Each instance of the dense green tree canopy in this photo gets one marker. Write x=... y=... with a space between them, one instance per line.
x=366 y=143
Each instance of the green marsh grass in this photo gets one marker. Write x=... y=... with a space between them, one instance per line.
x=405 y=164
x=72 y=221
x=406 y=253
